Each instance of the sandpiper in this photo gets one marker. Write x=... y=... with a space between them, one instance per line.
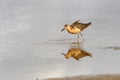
x=76 y=53
x=76 y=27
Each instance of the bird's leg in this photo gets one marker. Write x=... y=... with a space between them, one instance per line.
x=82 y=37
x=78 y=38
x=78 y=45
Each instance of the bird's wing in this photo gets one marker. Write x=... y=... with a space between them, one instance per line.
x=78 y=24
x=75 y=23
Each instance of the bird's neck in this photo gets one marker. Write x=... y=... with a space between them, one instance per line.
x=68 y=28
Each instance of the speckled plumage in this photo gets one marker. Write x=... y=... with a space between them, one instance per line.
x=79 y=25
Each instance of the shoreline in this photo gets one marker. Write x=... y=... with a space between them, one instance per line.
x=91 y=77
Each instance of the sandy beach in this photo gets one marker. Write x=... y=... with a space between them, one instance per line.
x=91 y=77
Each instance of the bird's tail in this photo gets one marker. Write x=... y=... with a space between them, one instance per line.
x=88 y=24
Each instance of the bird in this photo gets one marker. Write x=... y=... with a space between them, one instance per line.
x=76 y=53
x=76 y=27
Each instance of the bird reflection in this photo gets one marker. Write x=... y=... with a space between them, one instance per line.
x=76 y=53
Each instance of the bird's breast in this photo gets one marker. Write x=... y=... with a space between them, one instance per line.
x=73 y=30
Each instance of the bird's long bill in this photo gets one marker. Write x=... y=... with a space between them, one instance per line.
x=63 y=29
x=63 y=53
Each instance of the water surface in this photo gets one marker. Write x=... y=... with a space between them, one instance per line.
x=31 y=42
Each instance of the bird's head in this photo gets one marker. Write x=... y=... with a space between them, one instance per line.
x=65 y=27
x=66 y=56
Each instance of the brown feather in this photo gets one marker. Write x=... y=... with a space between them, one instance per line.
x=79 y=25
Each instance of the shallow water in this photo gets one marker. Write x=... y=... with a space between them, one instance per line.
x=31 y=42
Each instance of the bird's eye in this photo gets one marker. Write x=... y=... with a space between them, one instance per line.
x=65 y=25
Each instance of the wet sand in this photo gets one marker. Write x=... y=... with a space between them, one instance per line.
x=91 y=77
